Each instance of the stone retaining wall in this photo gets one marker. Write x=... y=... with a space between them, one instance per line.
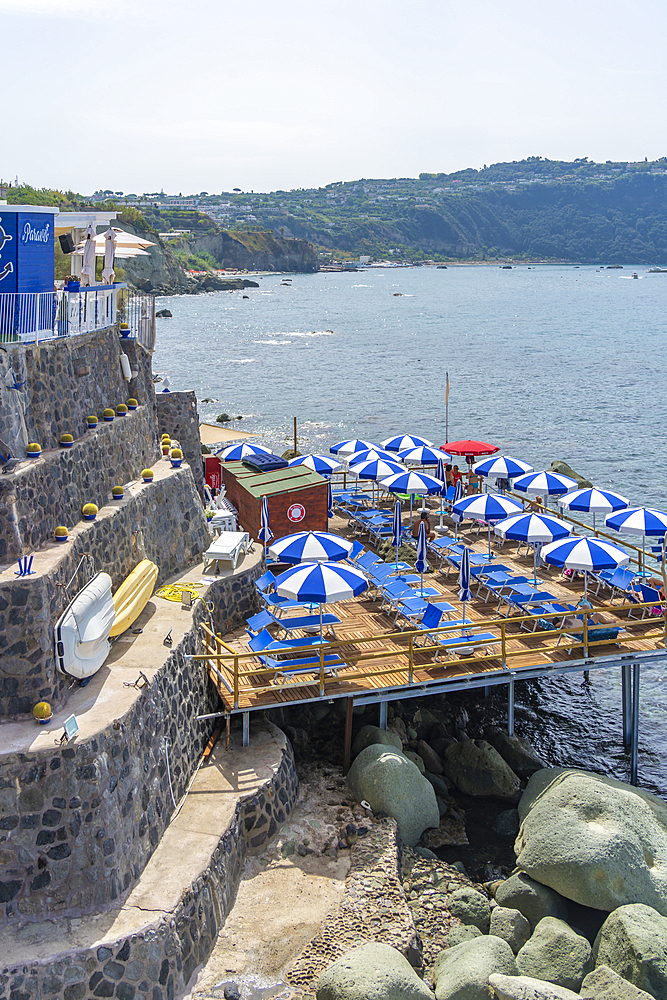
x=162 y=521
x=52 y=490
x=177 y=415
x=158 y=962
x=78 y=825
x=67 y=379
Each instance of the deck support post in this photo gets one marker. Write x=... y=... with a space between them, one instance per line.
x=246 y=729
x=626 y=694
x=634 y=753
x=383 y=715
x=347 y=747
x=228 y=727
x=487 y=692
x=510 y=708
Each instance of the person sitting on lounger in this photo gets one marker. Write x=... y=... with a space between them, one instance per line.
x=423 y=516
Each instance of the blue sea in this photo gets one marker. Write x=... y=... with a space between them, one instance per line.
x=547 y=362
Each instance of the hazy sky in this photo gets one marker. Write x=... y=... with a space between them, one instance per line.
x=139 y=95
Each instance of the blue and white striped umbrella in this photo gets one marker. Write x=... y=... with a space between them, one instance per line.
x=412 y=482
x=321 y=583
x=318 y=463
x=349 y=447
x=265 y=533
x=397 y=529
x=534 y=529
x=639 y=521
x=404 y=441
x=310 y=546
x=594 y=501
x=465 y=593
x=487 y=507
x=588 y=554
x=420 y=456
x=421 y=565
x=551 y=483
x=377 y=469
x=370 y=455
x=502 y=467
x=330 y=503
x=236 y=452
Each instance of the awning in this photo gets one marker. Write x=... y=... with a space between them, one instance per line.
x=217 y=434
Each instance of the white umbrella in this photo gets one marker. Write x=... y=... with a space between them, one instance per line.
x=88 y=266
x=109 y=254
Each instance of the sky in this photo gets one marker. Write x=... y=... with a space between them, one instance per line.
x=208 y=95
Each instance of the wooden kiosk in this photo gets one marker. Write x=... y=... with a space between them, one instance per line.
x=296 y=496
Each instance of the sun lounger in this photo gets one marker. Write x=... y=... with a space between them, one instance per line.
x=517 y=603
x=226 y=548
x=466 y=643
x=292 y=624
x=639 y=593
x=264 y=586
x=263 y=642
x=259 y=621
x=597 y=634
x=285 y=669
x=547 y=624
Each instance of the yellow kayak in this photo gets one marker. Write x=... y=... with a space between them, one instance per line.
x=131 y=597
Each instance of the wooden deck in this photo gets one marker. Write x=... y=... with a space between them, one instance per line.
x=380 y=658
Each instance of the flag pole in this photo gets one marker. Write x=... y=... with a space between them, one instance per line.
x=447 y=407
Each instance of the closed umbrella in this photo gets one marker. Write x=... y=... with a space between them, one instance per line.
x=441 y=474
x=534 y=529
x=350 y=446
x=88 y=265
x=421 y=565
x=320 y=583
x=592 y=501
x=265 y=533
x=236 y=452
x=404 y=441
x=397 y=529
x=458 y=494
x=322 y=464
x=639 y=521
x=330 y=504
x=588 y=554
x=487 y=507
x=310 y=546
x=465 y=593
x=109 y=256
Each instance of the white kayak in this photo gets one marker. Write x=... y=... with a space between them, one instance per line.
x=82 y=632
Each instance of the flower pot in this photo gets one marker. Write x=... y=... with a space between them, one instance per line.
x=66 y=444
x=108 y=419
x=92 y=424
x=34 y=454
x=89 y=517
x=176 y=463
x=44 y=722
x=62 y=538
x=73 y=286
x=132 y=406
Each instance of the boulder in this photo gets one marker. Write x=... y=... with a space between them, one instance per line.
x=525 y=988
x=391 y=783
x=438 y=783
x=373 y=971
x=462 y=972
x=416 y=760
x=506 y=823
x=511 y=926
x=633 y=943
x=604 y=984
x=461 y=933
x=368 y=735
x=556 y=953
x=516 y=752
x=563 y=469
x=593 y=839
x=535 y=901
x=478 y=770
x=431 y=760
x=470 y=907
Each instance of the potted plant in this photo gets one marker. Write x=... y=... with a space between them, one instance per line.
x=132 y=404
x=61 y=533
x=108 y=414
x=89 y=511
x=66 y=441
x=72 y=284
x=166 y=437
x=121 y=410
x=125 y=329
x=166 y=446
x=34 y=450
x=42 y=712
x=176 y=458
x=92 y=423
x=147 y=475
x=117 y=492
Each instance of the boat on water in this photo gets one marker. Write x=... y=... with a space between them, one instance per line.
x=657 y=270
x=635 y=275
x=82 y=631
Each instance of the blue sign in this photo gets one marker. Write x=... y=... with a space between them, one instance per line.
x=8 y=252
x=35 y=252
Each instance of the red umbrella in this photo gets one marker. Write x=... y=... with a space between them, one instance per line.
x=471 y=449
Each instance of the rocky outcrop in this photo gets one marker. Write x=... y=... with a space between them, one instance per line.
x=470 y=907
x=535 y=901
x=555 y=953
x=391 y=783
x=605 y=984
x=593 y=839
x=633 y=943
x=516 y=752
x=258 y=251
x=368 y=735
x=479 y=770
x=372 y=972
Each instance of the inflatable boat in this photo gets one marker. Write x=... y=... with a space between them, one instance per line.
x=132 y=596
x=82 y=632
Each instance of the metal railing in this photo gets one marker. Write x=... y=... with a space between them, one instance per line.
x=136 y=317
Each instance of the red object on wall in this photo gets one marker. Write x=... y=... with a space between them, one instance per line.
x=213 y=472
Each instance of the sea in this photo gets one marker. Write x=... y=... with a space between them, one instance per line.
x=548 y=362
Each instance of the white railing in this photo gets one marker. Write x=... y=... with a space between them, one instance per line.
x=136 y=315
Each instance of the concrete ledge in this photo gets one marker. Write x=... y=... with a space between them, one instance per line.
x=150 y=947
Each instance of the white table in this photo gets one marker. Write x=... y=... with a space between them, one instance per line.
x=226 y=548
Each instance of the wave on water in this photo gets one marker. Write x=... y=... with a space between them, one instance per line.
x=240 y=361
x=273 y=343
x=312 y=333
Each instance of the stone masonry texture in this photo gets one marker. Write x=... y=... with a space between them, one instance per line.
x=177 y=416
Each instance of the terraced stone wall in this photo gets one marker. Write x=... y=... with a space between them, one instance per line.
x=177 y=415
x=78 y=824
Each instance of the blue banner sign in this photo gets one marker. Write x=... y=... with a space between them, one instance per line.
x=8 y=251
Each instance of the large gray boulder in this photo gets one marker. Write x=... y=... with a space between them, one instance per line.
x=593 y=839
x=515 y=751
x=373 y=971
x=368 y=735
x=556 y=953
x=633 y=942
x=462 y=972
x=478 y=770
x=470 y=907
x=525 y=988
x=460 y=933
x=391 y=783
x=604 y=984
x=511 y=926
x=535 y=901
